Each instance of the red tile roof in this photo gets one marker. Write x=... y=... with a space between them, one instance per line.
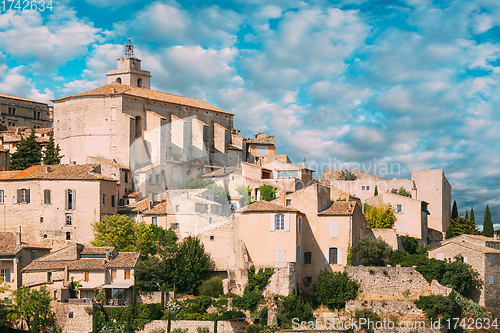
x=56 y=172
x=8 y=244
x=339 y=208
x=265 y=206
x=122 y=89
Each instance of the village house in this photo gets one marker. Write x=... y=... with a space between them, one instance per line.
x=483 y=254
x=91 y=267
x=22 y=111
x=260 y=147
x=15 y=255
x=57 y=204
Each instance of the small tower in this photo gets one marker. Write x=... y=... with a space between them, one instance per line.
x=129 y=70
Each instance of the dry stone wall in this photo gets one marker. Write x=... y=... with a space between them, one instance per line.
x=73 y=318
x=192 y=325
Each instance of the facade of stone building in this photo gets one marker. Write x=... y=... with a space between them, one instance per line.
x=260 y=147
x=15 y=255
x=430 y=186
x=56 y=205
x=483 y=254
x=22 y=111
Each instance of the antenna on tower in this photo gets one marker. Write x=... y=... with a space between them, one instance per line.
x=129 y=49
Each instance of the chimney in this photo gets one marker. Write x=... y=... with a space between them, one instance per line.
x=19 y=237
x=108 y=255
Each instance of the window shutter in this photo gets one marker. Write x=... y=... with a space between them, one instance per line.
x=18 y=196
x=334 y=229
x=400 y=227
x=7 y=275
x=279 y=258
x=339 y=256
x=272 y=223
x=28 y=196
x=73 y=202
x=300 y=255
x=287 y=222
x=327 y=253
x=67 y=199
x=360 y=233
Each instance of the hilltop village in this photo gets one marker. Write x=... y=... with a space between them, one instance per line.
x=179 y=164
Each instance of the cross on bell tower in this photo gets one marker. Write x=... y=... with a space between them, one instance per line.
x=129 y=70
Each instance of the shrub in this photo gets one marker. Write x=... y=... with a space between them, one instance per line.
x=232 y=314
x=372 y=252
x=293 y=306
x=211 y=287
x=180 y=330
x=347 y=175
x=334 y=290
x=438 y=306
x=410 y=244
x=248 y=301
x=367 y=314
x=257 y=328
x=258 y=281
x=382 y=216
x=204 y=329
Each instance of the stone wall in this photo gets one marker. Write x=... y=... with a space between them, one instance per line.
x=282 y=282
x=393 y=283
x=150 y=297
x=192 y=325
x=388 y=309
x=80 y=322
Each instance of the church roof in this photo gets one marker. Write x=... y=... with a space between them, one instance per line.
x=122 y=89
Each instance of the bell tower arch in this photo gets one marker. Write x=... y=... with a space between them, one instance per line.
x=129 y=70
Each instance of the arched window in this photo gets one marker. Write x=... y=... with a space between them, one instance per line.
x=139 y=82
x=119 y=80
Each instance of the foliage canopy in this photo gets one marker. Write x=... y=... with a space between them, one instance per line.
x=335 y=289
x=381 y=216
x=372 y=252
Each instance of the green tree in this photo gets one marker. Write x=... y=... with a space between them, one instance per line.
x=466 y=214
x=335 y=289
x=461 y=277
x=151 y=274
x=472 y=218
x=116 y=231
x=376 y=191
x=402 y=191
x=211 y=287
x=487 y=225
x=267 y=193
x=32 y=303
x=221 y=195
x=293 y=306
x=51 y=154
x=454 y=210
x=381 y=216
x=462 y=226
x=28 y=153
x=245 y=192
x=193 y=183
x=450 y=233
x=347 y=175
x=372 y=252
x=438 y=306
x=410 y=244
x=6 y=310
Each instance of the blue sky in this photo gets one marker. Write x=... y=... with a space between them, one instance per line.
x=412 y=83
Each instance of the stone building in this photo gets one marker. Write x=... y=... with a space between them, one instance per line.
x=427 y=185
x=56 y=205
x=21 y=111
x=92 y=267
x=15 y=255
x=259 y=147
x=483 y=254
x=11 y=136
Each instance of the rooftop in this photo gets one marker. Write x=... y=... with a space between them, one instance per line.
x=338 y=208
x=265 y=206
x=26 y=99
x=122 y=89
x=56 y=172
x=9 y=246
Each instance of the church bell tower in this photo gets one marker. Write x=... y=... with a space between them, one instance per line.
x=129 y=70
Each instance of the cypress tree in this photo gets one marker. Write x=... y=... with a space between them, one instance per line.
x=487 y=225
x=450 y=232
x=467 y=215
x=472 y=218
x=376 y=191
x=28 y=153
x=454 y=211
x=51 y=154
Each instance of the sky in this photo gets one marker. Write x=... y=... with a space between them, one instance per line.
x=382 y=85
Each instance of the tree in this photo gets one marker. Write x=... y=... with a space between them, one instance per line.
x=151 y=274
x=449 y=232
x=454 y=211
x=293 y=306
x=32 y=306
x=28 y=153
x=51 y=154
x=347 y=175
x=472 y=218
x=193 y=183
x=376 y=191
x=461 y=277
x=466 y=214
x=267 y=193
x=462 y=226
x=410 y=244
x=5 y=305
x=487 y=225
x=221 y=195
x=244 y=191
x=116 y=231
x=381 y=216
x=372 y=252
x=335 y=289
x=402 y=191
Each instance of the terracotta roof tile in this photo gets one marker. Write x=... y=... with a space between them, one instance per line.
x=27 y=99
x=124 y=260
x=164 y=208
x=136 y=207
x=106 y=161
x=339 y=208
x=264 y=206
x=90 y=250
x=8 y=244
x=479 y=248
x=56 y=172
x=121 y=89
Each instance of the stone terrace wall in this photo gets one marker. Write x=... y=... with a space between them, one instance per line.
x=389 y=283
x=81 y=321
x=149 y=297
x=282 y=281
x=388 y=309
x=192 y=325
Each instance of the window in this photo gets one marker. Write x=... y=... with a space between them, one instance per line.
x=363 y=188
x=119 y=80
x=491 y=279
x=2 y=158
x=154 y=220
x=491 y=261
x=139 y=83
x=12 y=124
x=299 y=224
x=307 y=258
x=399 y=209
x=46 y=196
x=212 y=237
x=126 y=177
x=70 y=199
x=174 y=226
x=6 y=275
x=298 y=255
x=68 y=235
x=279 y=222
x=332 y=256
x=55 y=294
x=121 y=202
x=86 y=276
x=157 y=179
x=1 y=197
x=261 y=151
x=113 y=274
x=41 y=219
x=127 y=274
x=368 y=188
x=112 y=201
x=70 y=314
x=307 y=281
x=68 y=219
x=36 y=114
x=23 y=196
x=34 y=254
x=12 y=111
x=49 y=276
x=177 y=208
x=288 y=202
x=104 y=199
